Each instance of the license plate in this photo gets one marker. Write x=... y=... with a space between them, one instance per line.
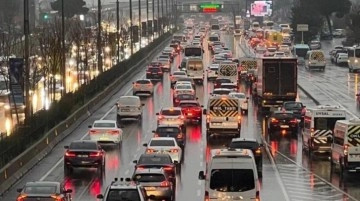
x=154 y=73
x=104 y=138
x=150 y=188
x=217 y=124
x=278 y=101
x=171 y=119
x=284 y=126
x=125 y=110
x=82 y=156
x=189 y=114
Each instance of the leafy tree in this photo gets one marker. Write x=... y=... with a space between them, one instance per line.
x=353 y=24
x=305 y=14
x=71 y=7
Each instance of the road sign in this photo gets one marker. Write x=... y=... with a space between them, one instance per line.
x=302 y=27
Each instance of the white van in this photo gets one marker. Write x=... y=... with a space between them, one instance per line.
x=129 y=107
x=231 y=174
x=345 y=150
x=315 y=59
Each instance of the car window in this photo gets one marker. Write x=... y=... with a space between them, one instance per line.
x=293 y=105
x=179 y=73
x=40 y=189
x=83 y=145
x=232 y=180
x=123 y=195
x=129 y=101
x=154 y=70
x=221 y=92
x=189 y=105
x=185 y=97
x=104 y=125
x=143 y=81
x=223 y=81
x=242 y=96
x=183 y=86
x=283 y=115
x=154 y=160
x=166 y=143
x=244 y=145
x=228 y=86
x=171 y=112
x=149 y=177
x=167 y=130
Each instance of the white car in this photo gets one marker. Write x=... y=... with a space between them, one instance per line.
x=285 y=49
x=143 y=86
x=164 y=145
x=175 y=75
x=243 y=100
x=237 y=32
x=221 y=91
x=212 y=71
x=342 y=58
x=106 y=131
x=217 y=50
x=129 y=107
x=171 y=116
x=165 y=64
x=183 y=89
x=279 y=54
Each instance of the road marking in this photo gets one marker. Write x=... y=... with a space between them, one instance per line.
x=198 y=193
x=86 y=188
x=201 y=164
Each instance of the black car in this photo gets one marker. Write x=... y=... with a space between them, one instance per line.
x=157 y=161
x=44 y=190
x=297 y=108
x=282 y=121
x=181 y=97
x=84 y=153
x=219 y=81
x=154 y=73
x=174 y=131
x=252 y=144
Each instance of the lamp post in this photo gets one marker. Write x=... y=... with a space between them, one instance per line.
x=27 y=63
x=63 y=49
x=139 y=27
x=167 y=14
x=117 y=31
x=153 y=19
x=98 y=44
x=131 y=29
x=158 y=17
x=147 y=21
x=162 y=17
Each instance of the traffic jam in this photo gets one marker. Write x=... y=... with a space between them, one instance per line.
x=199 y=58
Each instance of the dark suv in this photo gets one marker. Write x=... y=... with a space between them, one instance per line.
x=154 y=73
x=174 y=131
x=44 y=190
x=219 y=81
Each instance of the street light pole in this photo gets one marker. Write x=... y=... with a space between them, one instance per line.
x=158 y=17
x=147 y=21
x=167 y=14
x=162 y=17
x=98 y=44
x=118 y=31
x=140 y=25
x=153 y=19
x=63 y=49
x=27 y=64
x=131 y=29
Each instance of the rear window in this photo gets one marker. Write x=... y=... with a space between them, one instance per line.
x=83 y=145
x=104 y=125
x=40 y=189
x=215 y=27
x=244 y=145
x=155 y=70
x=171 y=112
x=214 y=68
x=293 y=105
x=221 y=92
x=129 y=101
x=179 y=73
x=189 y=105
x=143 y=81
x=223 y=81
x=168 y=130
x=155 y=160
x=283 y=115
x=232 y=180
x=166 y=143
x=228 y=86
x=123 y=194
x=183 y=86
x=185 y=97
x=213 y=38
x=149 y=177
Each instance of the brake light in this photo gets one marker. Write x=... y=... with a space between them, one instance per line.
x=174 y=150
x=93 y=131
x=274 y=120
x=114 y=132
x=177 y=100
x=70 y=154
x=346 y=149
x=168 y=168
x=207 y=197
x=95 y=154
x=21 y=197
x=160 y=117
x=294 y=121
x=150 y=150
x=239 y=117
x=258 y=151
x=147 y=72
x=257 y=196
x=56 y=198
x=156 y=135
x=165 y=184
x=312 y=132
x=182 y=117
x=179 y=136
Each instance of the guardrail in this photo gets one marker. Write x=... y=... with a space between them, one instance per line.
x=19 y=166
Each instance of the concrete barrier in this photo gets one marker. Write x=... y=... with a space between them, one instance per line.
x=20 y=165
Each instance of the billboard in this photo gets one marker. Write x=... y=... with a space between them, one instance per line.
x=261 y=8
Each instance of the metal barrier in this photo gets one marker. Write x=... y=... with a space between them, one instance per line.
x=19 y=166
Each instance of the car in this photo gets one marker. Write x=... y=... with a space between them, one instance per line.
x=170 y=52
x=165 y=64
x=232 y=86
x=341 y=59
x=255 y=146
x=297 y=108
x=187 y=79
x=192 y=110
x=129 y=107
x=243 y=100
x=227 y=53
x=279 y=54
x=217 y=50
x=339 y=33
x=219 y=81
x=183 y=89
x=180 y=97
x=270 y=52
x=282 y=121
x=196 y=43
x=237 y=32
x=171 y=116
x=175 y=75
x=218 y=58
x=174 y=131
x=315 y=45
x=221 y=91
x=125 y=189
x=106 y=131
x=156 y=183
x=84 y=153
x=143 y=86
x=212 y=71
x=43 y=190
x=154 y=73
x=166 y=145
x=164 y=56
x=285 y=49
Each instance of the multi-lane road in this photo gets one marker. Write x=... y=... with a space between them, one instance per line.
x=287 y=175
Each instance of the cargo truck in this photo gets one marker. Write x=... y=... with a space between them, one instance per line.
x=276 y=82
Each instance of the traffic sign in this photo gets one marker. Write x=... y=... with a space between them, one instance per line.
x=302 y=27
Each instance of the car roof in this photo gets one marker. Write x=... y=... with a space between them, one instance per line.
x=170 y=108
x=162 y=138
x=244 y=140
x=143 y=80
x=43 y=183
x=228 y=83
x=168 y=125
x=189 y=101
x=149 y=171
x=104 y=121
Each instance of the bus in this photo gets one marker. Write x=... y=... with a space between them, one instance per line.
x=354 y=59
x=193 y=51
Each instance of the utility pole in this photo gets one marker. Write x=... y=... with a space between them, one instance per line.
x=162 y=17
x=63 y=49
x=131 y=29
x=118 y=31
x=147 y=21
x=167 y=14
x=158 y=17
x=153 y=19
x=140 y=25
x=98 y=42
x=27 y=64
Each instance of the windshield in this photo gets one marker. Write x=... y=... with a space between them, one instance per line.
x=232 y=180
x=162 y=143
x=195 y=65
x=105 y=125
x=171 y=112
x=149 y=177
x=123 y=195
x=40 y=189
x=193 y=51
x=83 y=145
x=357 y=53
x=322 y=123
x=183 y=86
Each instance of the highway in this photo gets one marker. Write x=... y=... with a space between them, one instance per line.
x=284 y=176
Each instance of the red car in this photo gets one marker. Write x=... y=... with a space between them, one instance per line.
x=191 y=109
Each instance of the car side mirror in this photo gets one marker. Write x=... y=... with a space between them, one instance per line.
x=66 y=147
x=145 y=144
x=157 y=113
x=357 y=94
x=201 y=106
x=135 y=161
x=100 y=196
x=117 y=104
x=68 y=191
x=89 y=126
x=142 y=104
x=176 y=162
x=19 y=190
x=204 y=111
x=201 y=175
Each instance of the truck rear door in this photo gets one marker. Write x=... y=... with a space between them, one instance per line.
x=271 y=77
x=288 y=78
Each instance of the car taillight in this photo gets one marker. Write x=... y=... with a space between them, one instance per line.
x=136 y=84
x=182 y=117
x=114 y=132
x=197 y=109
x=258 y=151
x=56 y=198
x=95 y=154
x=93 y=131
x=177 y=100
x=174 y=150
x=147 y=72
x=21 y=198
x=346 y=149
x=207 y=197
x=274 y=120
x=257 y=196
x=179 y=136
x=156 y=135
x=165 y=184
x=160 y=117
x=168 y=168
x=294 y=121
x=239 y=117
x=70 y=154
x=150 y=150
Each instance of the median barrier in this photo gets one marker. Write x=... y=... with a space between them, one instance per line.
x=19 y=166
